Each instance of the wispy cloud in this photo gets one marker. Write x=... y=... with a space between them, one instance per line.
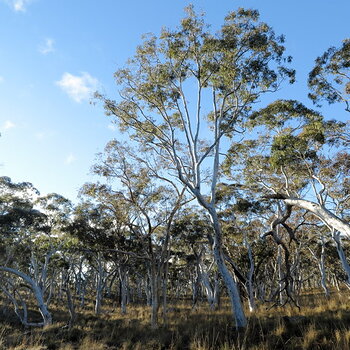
x=2 y=79
x=112 y=127
x=78 y=88
x=40 y=135
x=70 y=159
x=18 y=5
x=47 y=47
x=8 y=125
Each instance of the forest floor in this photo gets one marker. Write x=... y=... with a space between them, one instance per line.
x=319 y=324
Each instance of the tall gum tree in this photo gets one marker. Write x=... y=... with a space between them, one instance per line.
x=299 y=159
x=20 y=222
x=183 y=93
x=152 y=203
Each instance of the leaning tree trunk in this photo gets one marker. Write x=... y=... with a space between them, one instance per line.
x=38 y=294
x=320 y=211
x=232 y=289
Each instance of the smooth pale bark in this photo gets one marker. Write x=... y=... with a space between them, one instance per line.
x=165 y=288
x=209 y=291
x=232 y=289
x=37 y=291
x=321 y=212
x=250 y=284
x=336 y=237
x=322 y=268
x=217 y=290
x=23 y=316
x=99 y=283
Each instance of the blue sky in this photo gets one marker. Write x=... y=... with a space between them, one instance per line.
x=55 y=53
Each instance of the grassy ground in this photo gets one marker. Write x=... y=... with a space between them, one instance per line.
x=319 y=324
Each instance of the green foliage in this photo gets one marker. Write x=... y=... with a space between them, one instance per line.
x=240 y=62
x=278 y=113
x=329 y=79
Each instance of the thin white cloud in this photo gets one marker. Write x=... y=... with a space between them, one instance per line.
x=18 y=5
x=2 y=79
x=47 y=47
x=8 y=125
x=112 y=127
x=78 y=88
x=70 y=159
x=41 y=135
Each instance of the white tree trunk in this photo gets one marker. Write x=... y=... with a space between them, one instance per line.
x=322 y=267
x=232 y=289
x=321 y=212
x=249 y=284
x=341 y=254
x=209 y=291
x=37 y=291
x=99 y=283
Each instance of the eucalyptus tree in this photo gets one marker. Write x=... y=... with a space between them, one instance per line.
x=111 y=233
x=329 y=80
x=152 y=206
x=57 y=210
x=190 y=232
x=183 y=93
x=95 y=228
x=20 y=222
x=298 y=159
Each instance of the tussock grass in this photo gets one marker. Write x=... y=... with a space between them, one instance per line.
x=319 y=324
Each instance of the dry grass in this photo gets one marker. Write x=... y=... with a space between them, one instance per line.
x=319 y=324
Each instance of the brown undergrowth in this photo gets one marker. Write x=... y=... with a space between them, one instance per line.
x=320 y=324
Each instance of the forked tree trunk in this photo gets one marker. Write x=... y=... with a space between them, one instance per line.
x=70 y=301
x=209 y=290
x=38 y=294
x=232 y=289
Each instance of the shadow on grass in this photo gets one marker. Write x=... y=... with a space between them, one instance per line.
x=314 y=327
